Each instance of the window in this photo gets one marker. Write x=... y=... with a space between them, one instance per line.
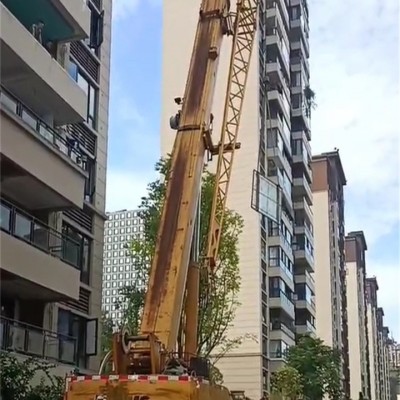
x=84 y=252
x=83 y=330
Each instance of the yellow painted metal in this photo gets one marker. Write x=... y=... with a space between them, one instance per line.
x=242 y=47
x=168 y=390
x=168 y=274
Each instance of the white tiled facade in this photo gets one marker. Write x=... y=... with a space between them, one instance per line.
x=120 y=229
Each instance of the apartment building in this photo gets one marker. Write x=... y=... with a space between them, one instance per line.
x=372 y=306
x=330 y=272
x=275 y=277
x=120 y=229
x=394 y=354
x=54 y=122
x=355 y=248
x=383 y=356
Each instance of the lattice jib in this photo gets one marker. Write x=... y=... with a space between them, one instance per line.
x=242 y=46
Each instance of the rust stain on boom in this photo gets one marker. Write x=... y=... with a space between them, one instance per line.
x=168 y=232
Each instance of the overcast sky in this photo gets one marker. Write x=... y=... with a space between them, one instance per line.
x=355 y=74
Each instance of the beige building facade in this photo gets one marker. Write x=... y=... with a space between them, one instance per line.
x=330 y=268
x=270 y=251
x=355 y=248
x=54 y=93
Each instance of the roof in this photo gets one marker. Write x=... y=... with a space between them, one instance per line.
x=333 y=155
x=358 y=234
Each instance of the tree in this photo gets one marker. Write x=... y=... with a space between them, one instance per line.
x=217 y=307
x=319 y=367
x=286 y=382
x=16 y=379
x=106 y=334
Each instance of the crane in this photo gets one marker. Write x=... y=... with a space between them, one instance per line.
x=173 y=289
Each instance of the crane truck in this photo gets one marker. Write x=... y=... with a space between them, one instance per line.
x=150 y=365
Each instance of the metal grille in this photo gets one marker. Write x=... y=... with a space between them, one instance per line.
x=84 y=136
x=85 y=59
x=81 y=218
x=82 y=304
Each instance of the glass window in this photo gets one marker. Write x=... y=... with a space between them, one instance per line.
x=83 y=83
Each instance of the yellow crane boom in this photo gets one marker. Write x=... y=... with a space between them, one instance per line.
x=174 y=280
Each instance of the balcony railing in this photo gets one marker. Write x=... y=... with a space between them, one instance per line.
x=67 y=146
x=27 y=228
x=37 y=342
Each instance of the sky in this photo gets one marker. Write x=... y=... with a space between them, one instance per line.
x=355 y=75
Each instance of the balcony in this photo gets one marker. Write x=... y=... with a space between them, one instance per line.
x=277 y=48
x=304 y=256
x=302 y=228
x=279 y=100
x=301 y=113
x=281 y=331
x=305 y=304
x=38 y=160
x=33 y=341
x=299 y=62
x=302 y=160
x=283 y=9
x=283 y=128
x=37 y=262
x=302 y=208
x=299 y=30
x=306 y=328
x=30 y=72
x=306 y=278
x=281 y=271
x=278 y=299
x=277 y=152
x=301 y=188
x=64 y=20
x=274 y=19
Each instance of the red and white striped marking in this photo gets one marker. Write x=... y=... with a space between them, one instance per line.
x=136 y=378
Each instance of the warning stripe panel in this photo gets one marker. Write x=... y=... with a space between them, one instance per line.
x=136 y=378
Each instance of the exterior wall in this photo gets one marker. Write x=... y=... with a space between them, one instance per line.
x=323 y=282
x=357 y=311
x=330 y=268
x=64 y=115
x=96 y=212
x=373 y=356
x=355 y=335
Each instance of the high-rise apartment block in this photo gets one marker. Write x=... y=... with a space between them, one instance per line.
x=378 y=344
x=120 y=229
x=55 y=58
x=276 y=257
x=330 y=274
x=359 y=361
x=373 y=352
x=383 y=356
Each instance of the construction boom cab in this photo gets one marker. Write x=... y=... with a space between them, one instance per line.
x=146 y=387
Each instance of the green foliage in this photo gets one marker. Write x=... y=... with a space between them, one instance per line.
x=319 y=367
x=16 y=379
x=217 y=306
x=106 y=334
x=309 y=95
x=287 y=382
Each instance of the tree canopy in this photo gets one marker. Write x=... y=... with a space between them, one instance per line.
x=319 y=367
x=217 y=307
x=16 y=379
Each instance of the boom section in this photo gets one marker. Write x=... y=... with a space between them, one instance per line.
x=169 y=269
